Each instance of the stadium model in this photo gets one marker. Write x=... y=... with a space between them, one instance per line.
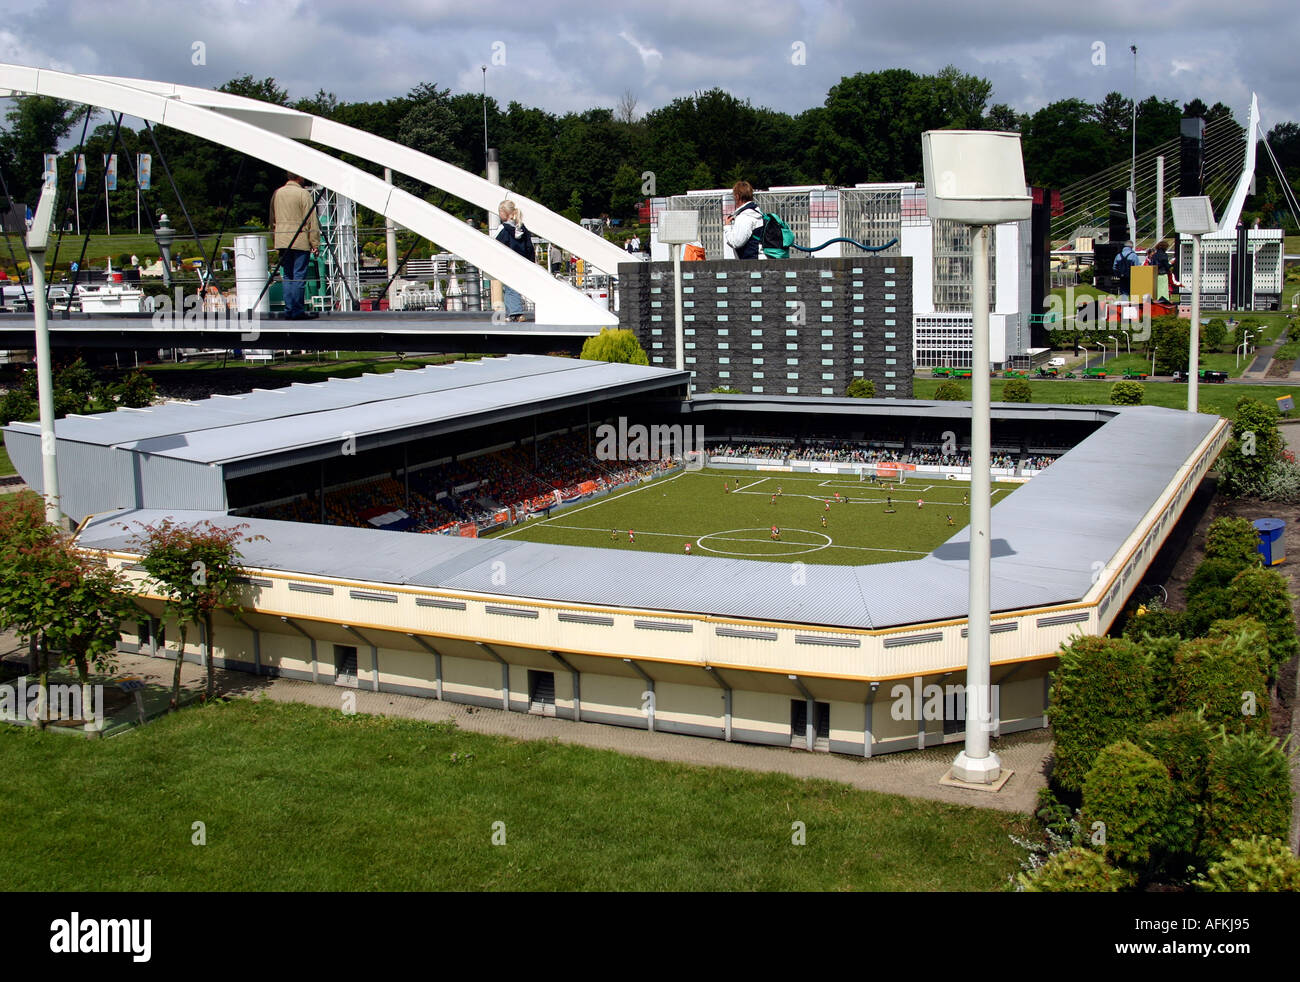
x=776 y=652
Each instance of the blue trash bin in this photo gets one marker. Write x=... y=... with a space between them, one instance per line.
x=1272 y=536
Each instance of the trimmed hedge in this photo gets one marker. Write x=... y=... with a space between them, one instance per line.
x=1076 y=870
x=1247 y=792
x=1207 y=592
x=1263 y=595
x=1182 y=743
x=1222 y=678
x=1131 y=793
x=1233 y=539
x=1101 y=693
x=1127 y=393
x=1162 y=622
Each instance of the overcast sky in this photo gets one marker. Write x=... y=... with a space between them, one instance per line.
x=577 y=54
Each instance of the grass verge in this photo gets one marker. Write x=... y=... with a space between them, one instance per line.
x=301 y=798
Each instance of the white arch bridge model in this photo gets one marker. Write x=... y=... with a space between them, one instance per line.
x=270 y=133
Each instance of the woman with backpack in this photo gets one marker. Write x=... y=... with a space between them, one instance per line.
x=743 y=223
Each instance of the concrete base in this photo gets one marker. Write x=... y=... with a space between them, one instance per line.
x=971 y=771
x=949 y=781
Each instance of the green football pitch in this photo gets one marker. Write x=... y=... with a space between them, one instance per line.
x=867 y=524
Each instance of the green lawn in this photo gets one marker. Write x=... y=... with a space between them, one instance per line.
x=1220 y=399
x=144 y=246
x=1218 y=361
x=311 y=368
x=6 y=465
x=693 y=507
x=301 y=798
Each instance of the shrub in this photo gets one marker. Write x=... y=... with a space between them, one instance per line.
x=1214 y=333
x=1260 y=864
x=1076 y=870
x=1086 y=274
x=1233 y=539
x=1207 y=593
x=1157 y=622
x=1182 y=743
x=1263 y=595
x=1132 y=795
x=136 y=390
x=1161 y=653
x=1214 y=573
x=1127 y=394
x=1101 y=693
x=950 y=391
x=1247 y=791
x=1017 y=390
x=1281 y=482
x=1232 y=629
x=16 y=405
x=861 y=388
x=1246 y=461
x=1222 y=678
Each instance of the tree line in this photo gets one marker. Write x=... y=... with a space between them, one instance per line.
x=603 y=161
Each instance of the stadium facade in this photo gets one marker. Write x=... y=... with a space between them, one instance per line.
x=766 y=652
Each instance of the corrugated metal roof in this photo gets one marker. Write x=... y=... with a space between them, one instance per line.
x=1047 y=536
x=233 y=427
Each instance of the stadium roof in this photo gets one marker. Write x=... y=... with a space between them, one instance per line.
x=183 y=453
x=1050 y=538
x=234 y=427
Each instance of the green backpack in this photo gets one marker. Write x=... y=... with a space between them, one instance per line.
x=774 y=237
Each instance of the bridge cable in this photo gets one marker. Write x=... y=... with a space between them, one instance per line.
x=85 y=242
x=442 y=201
x=175 y=190
x=12 y=255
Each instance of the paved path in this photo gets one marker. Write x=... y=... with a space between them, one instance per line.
x=914 y=774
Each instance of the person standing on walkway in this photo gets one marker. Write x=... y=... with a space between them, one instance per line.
x=515 y=236
x=743 y=223
x=1165 y=279
x=296 y=234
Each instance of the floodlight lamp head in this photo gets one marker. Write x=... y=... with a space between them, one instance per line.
x=1193 y=215
x=975 y=176
x=679 y=227
x=39 y=234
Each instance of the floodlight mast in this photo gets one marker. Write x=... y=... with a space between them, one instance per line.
x=1194 y=216
x=977 y=178
x=37 y=239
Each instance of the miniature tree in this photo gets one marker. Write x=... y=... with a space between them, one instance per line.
x=53 y=594
x=196 y=568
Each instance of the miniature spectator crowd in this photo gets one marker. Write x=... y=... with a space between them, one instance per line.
x=850 y=453
x=507 y=485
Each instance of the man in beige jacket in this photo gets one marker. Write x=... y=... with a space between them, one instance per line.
x=289 y=206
